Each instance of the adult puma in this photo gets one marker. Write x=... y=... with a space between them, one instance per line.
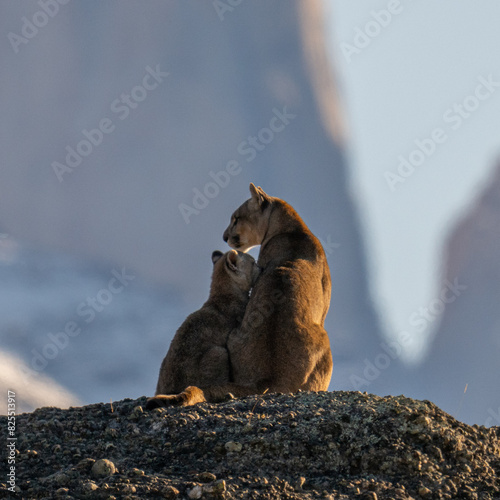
x=197 y=353
x=281 y=345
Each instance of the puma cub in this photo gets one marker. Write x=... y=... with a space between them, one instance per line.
x=281 y=344
x=198 y=354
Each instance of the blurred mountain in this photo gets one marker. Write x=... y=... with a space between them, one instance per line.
x=131 y=132
x=466 y=348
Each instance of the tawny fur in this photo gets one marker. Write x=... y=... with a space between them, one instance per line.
x=281 y=344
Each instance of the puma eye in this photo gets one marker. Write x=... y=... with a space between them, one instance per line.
x=235 y=221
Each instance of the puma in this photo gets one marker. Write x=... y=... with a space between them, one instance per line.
x=198 y=353
x=281 y=344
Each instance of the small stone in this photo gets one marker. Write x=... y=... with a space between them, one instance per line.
x=62 y=491
x=89 y=486
x=206 y=477
x=169 y=492
x=233 y=446
x=216 y=488
x=103 y=468
x=113 y=433
x=424 y=492
x=196 y=492
x=219 y=486
x=300 y=483
x=128 y=489
x=85 y=464
x=136 y=472
x=61 y=479
x=136 y=413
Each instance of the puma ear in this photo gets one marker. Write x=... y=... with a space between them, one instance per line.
x=259 y=196
x=253 y=190
x=216 y=256
x=231 y=259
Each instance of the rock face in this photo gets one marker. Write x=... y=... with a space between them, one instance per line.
x=161 y=169
x=306 y=445
x=466 y=349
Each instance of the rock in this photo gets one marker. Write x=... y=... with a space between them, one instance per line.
x=103 y=468
x=128 y=489
x=89 y=486
x=349 y=443
x=85 y=464
x=216 y=488
x=136 y=413
x=206 y=477
x=61 y=478
x=233 y=447
x=136 y=472
x=196 y=492
x=369 y=495
x=300 y=483
x=219 y=486
x=169 y=492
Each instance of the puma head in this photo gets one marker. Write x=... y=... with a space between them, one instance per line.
x=250 y=221
x=240 y=267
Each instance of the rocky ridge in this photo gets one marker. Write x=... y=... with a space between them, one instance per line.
x=335 y=445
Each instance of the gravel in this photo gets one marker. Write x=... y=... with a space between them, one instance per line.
x=335 y=445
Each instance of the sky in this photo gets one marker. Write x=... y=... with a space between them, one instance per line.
x=420 y=86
